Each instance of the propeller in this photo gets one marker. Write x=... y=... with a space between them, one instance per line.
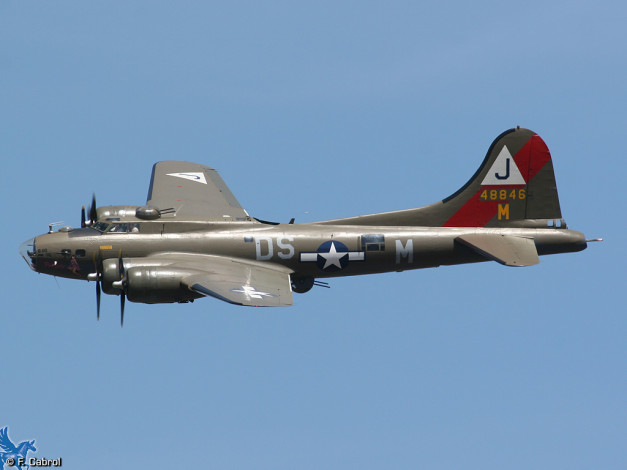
x=98 y=265
x=98 y=294
x=122 y=287
x=122 y=284
x=122 y=300
x=93 y=213
x=97 y=276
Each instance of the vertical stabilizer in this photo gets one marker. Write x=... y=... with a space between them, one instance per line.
x=514 y=186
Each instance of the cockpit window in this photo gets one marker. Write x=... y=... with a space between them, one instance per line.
x=124 y=228
x=101 y=226
x=118 y=228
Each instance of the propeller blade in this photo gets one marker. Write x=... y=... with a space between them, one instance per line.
x=123 y=293
x=98 y=268
x=98 y=300
x=121 y=265
x=93 y=214
x=122 y=299
x=83 y=217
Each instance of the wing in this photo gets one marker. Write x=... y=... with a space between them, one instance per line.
x=5 y=442
x=233 y=280
x=243 y=283
x=192 y=191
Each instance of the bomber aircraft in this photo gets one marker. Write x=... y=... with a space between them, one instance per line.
x=193 y=239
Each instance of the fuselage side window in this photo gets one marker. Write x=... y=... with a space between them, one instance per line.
x=373 y=242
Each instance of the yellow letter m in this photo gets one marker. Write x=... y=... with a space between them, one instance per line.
x=503 y=211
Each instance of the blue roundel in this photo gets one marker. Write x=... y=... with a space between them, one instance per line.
x=332 y=256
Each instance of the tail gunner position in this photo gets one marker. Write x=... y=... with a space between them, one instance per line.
x=193 y=239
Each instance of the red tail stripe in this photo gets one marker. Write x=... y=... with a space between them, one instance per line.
x=532 y=157
x=475 y=213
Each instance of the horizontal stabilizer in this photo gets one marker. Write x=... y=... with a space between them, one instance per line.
x=505 y=249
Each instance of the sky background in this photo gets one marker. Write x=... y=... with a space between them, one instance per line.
x=317 y=111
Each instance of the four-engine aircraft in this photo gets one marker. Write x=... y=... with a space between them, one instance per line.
x=193 y=239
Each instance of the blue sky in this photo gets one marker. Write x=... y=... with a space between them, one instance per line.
x=317 y=112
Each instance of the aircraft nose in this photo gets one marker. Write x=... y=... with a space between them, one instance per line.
x=27 y=250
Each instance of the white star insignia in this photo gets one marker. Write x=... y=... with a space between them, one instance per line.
x=251 y=292
x=333 y=257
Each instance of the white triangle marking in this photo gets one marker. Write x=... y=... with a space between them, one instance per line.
x=504 y=171
x=198 y=177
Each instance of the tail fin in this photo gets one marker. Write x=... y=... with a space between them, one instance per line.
x=515 y=182
x=514 y=186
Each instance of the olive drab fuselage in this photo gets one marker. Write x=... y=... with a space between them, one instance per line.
x=360 y=250
x=192 y=239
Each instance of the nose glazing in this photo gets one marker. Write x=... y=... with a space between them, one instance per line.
x=27 y=250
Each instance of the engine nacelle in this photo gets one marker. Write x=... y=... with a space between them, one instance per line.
x=157 y=284
x=111 y=273
x=146 y=280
